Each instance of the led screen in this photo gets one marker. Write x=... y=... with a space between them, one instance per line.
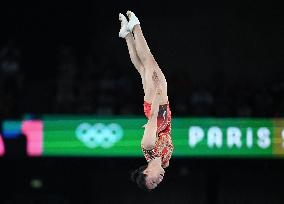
x=118 y=136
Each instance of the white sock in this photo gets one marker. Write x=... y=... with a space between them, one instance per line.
x=123 y=30
x=133 y=20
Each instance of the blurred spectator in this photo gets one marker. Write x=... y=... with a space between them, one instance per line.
x=106 y=98
x=201 y=102
x=88 y=86
x=9 y=59
x=65 y=98
x=11 y=79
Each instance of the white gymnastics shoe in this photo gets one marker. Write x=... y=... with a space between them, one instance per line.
x=123 y=30
x=133 y=20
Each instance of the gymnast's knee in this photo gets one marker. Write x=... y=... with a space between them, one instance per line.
x=148 y=61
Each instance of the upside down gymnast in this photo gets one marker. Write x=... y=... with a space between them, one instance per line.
x=156 y=143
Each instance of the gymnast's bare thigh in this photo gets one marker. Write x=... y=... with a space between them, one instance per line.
x=148 y=85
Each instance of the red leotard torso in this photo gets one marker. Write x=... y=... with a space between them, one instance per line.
x=163 y=146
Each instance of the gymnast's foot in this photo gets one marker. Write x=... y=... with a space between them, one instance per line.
x=123 y=30
x=133 y=20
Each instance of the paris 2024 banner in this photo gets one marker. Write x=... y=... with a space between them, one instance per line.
x=121 y=136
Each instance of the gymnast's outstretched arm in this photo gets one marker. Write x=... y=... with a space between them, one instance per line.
x=150 y=131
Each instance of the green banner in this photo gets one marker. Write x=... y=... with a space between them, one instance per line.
x=87 y=136
x=93 y=137
x=228 y=137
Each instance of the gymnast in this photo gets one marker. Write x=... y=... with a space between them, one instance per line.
x=156 y=142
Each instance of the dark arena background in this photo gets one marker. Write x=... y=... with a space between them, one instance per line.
x=71 y=102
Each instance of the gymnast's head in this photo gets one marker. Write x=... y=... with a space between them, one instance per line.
x=148 y=177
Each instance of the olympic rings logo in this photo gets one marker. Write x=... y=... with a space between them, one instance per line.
x=99 y=134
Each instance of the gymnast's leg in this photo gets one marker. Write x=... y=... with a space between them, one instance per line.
x=124 y=33
x=142 y=48
x=147 y=59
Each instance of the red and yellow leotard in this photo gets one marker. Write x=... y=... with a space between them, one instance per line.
x=164 y=145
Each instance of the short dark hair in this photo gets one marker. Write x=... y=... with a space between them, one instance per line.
x=138 y=177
